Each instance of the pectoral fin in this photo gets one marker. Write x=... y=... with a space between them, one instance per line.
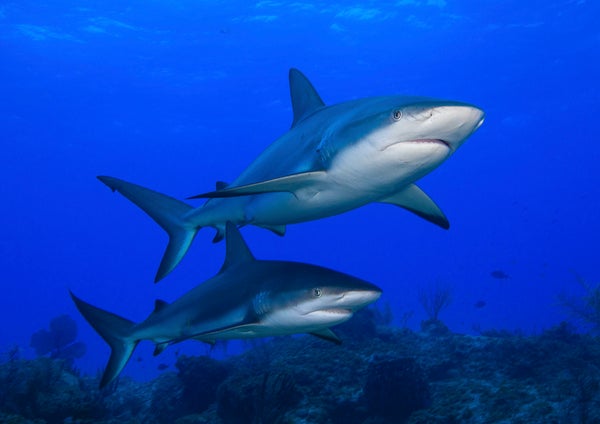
x=246 y=324
x=413 y=199
x=277 y=229
x=298 y=184
x=327 y=334
x=212 y=335
x=210 y=342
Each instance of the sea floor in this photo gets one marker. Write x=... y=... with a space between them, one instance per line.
x=380 y=374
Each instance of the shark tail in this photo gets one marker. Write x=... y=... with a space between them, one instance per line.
x=168 y=212
x=115 y=331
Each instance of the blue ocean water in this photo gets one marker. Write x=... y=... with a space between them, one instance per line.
x=177 y=95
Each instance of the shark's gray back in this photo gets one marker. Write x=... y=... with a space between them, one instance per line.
x=234 y=291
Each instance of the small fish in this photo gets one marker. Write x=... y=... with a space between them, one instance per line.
x=162 y=367
x=480 y=304
x=499 y=274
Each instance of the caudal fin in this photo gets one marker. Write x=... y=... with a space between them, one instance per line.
x=116 y=331
x=168 y=212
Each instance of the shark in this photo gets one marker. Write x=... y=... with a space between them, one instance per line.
x=333 y=159
x=247 y=298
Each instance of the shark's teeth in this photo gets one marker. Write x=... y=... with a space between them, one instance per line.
x=430 y=140
x=419 y=141
x=336 y=311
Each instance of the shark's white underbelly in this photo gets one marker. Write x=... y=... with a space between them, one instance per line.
x=358 y=176
x=285 y=208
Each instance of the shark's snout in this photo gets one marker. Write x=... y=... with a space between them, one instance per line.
x=459 y=122
x=436 y=129
x=357 y=299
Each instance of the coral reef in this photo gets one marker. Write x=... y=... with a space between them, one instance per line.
x=59 y=342
x=46 y=389
x=200 y=377
x=167 y=399
x=395 y=388
x=586 y=308
x=392 y=376
x=435 y=299
x=257 y=399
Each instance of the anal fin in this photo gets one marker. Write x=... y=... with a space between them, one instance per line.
x=220 y=235
x=159 y=348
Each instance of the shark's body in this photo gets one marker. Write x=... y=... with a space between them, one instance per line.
x=247 y=298
x=333 y=159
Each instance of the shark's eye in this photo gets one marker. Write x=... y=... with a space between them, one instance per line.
x=317 y=292
x=397 y=115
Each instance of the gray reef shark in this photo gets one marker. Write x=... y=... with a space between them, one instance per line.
x=332 y=160
x=247 y=298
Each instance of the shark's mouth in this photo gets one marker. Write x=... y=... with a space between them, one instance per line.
x=430 y=141
x=330 y=311
x=337 y=311
x=437 y=141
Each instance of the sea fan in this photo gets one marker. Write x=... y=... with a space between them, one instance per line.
x=59 y=342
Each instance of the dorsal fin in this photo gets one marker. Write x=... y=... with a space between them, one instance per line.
x=221 y=185
x=305 y=98
x=159 y=305
x=236 y=250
